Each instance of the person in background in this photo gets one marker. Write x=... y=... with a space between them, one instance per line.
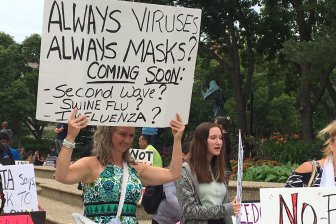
x=53 y=152
x=30 y=156
x=169 y=210
x=4 y=139
x=61 y=132
x=144 y=144
x=23 y=153
x=7 y=130
x=224 y=123
x=153 y=134
x=38 y=159
x=101 y=174
x=203 y=189
x=325 y=168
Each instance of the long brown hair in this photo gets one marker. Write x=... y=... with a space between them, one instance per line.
x=103 y=145
x=198 y=154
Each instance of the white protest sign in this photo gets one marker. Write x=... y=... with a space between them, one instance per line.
x=20 y=162
x=298 y=205
x=19 y=188
x=124 y=63
x=250 y=213
x=240 y=174
x=142 y=156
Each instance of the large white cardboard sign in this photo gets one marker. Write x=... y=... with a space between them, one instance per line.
x=124 y=63
x=19 y=187
x=298 y=205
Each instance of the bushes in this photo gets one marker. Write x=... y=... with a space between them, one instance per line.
x=264 y=170
x=269 y=173
x=295 y=151
x=284 y=148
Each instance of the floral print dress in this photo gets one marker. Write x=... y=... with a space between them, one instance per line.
x=101 y=197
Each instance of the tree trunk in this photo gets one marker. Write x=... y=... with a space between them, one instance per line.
x=305 y=105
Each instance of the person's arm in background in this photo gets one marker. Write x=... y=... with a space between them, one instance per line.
x=171 y=197
x=59 y=129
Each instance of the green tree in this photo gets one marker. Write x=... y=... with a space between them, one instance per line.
x=229 y=30
x=19 y=84
x=12 y=63
x=31 y=47
x=312 y=39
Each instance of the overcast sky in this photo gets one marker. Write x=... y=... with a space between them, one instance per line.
x=21 y=18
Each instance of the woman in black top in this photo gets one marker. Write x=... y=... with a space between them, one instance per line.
x=325 y=168
x=38 y=159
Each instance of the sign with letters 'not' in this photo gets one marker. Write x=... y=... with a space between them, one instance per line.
x=124 y=63
x=142 y=156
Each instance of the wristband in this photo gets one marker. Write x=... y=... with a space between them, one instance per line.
x=69 y=145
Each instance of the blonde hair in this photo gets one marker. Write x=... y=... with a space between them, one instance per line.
x=103 y=145
x=328 y=134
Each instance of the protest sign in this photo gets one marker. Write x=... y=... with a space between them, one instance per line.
x=250 y=213
x=298 y=205
x=142 y=156
x=19 y=188
x=124 y=63
x=240 y=174
x=36 y=217
x=20 y=162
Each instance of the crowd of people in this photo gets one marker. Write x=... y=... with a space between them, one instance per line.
x=187 y=201
x=195 y=183
x=32 y=156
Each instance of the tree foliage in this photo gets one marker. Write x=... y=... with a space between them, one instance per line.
x=279 y=52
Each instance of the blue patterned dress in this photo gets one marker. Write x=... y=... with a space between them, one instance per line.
x=101 y=197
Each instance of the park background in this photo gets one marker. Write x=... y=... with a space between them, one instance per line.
x=274 y=60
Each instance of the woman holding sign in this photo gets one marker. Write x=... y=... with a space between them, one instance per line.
x=320 y=173
x=102 y=173
x=203 y=189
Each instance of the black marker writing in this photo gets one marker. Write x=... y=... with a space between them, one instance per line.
x=65 y=91
x=147 y=51
x=158 y=21
x=93 y=48
x=91 y=20
x=111 y=73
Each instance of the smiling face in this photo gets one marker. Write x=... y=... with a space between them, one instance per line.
x=215 y=142
x=122 y=138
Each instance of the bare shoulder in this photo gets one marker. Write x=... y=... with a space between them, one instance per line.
x=305 y=167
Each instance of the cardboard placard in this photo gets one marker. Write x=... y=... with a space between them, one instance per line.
x=298 y=205
x=142 y=156
x=36 y=217
x=124 y=63
x=20 y=162
x=250 y=213
x=19 y=188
